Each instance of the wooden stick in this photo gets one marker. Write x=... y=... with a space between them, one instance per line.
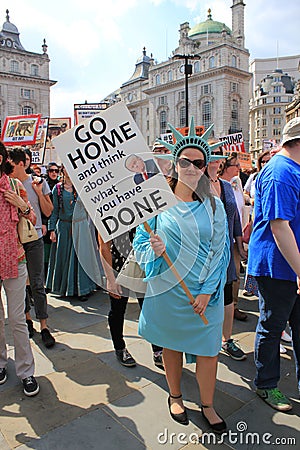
x=174 y=270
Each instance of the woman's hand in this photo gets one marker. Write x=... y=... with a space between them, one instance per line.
x=200 y=304
x=157 y=245
x=52 y=236
x=14 y=199
x=113 y=288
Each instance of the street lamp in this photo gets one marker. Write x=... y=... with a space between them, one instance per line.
x=188 y=70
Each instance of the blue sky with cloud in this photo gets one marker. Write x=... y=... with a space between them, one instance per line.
x=94 y=44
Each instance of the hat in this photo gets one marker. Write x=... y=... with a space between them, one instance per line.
x=192 y=140
x=291 y=130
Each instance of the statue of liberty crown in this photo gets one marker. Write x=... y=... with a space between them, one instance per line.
x=192 y=140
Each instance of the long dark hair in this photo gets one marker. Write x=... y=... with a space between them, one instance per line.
x=201 y=192
x=5 y=166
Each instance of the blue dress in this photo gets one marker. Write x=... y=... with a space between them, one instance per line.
x=197 y=243
x=73 y=266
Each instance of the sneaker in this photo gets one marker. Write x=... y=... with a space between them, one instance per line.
x=233 y=350
x=240 y=315
x=158 y=361
x=31 y=386
x=275 y=398
x=31 y=329
x=286 y=337
x=125 y=358
x=3 y=376
x=47 y=338
x=282 y=349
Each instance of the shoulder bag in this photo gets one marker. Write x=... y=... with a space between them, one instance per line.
x=26 y=230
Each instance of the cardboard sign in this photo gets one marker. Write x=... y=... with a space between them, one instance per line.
x=57 y=126
x=114 y=172
x=20 y=130
x=83 y=111
x=38 y=149
x=244 y=159
x=233 y=143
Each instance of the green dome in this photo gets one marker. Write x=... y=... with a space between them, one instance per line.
x=209 y=26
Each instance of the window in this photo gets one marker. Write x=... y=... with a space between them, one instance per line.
x=34 y=70
x=277 y=110
x=14 y=66
x=277 y=121
x=181 y=95
x=264 y=112
x=234 y=87
x=211 y=62
x=206 y=114
x=170 y=75
x=206 y=89
x=133 y=113
x=277 y=99
x=197 y=67
x=264 y=122
x=162 y=122
x=234 y=116
x=162 y=100
x=276 y=132
x=27 y=93
x=147 y=124
x=182 y=122
x=157 y=79
x=233 y=61
x=277 y=88
x=27 y=110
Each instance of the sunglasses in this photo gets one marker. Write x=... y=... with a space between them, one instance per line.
x=53 y=170
x=265 y=161
x=234 y=165
x=217 y=152
x=185 y=162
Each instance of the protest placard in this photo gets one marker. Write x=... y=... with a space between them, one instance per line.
x=20 y=130
x=83 y=111
x=114 y=172
x=233 y=143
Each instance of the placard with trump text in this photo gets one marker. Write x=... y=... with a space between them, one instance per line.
x=114 y=172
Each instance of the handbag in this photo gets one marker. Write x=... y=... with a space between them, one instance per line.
x=26 y=230
x=247 y=230
x=131 y=275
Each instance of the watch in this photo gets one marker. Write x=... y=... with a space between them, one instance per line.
x=26 y=212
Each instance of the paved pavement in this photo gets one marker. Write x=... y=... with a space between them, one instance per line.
x=89 y=401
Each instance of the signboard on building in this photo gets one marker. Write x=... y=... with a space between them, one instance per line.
x=83 y=111
x=114 y=171
x=20 y=130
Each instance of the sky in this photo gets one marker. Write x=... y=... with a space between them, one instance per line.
x=93 y=45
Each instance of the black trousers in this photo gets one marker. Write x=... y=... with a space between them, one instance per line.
x=116 y=317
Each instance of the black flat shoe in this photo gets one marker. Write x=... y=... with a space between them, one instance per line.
x=181 y=418
x=219 y=427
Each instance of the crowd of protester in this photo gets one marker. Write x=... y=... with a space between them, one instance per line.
x=204 y=235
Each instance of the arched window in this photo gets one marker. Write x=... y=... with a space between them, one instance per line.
x=27 y=110
x=212 y=62
x=233 y=61
x=197 y=66
x=234 y=116
x=206 y=114
x=157 y=79
x=14 y=66
x=34 y=70
x=182 y=117
x=170 y=75
x=162 y=122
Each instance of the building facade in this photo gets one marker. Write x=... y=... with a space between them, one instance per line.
x=271 y=91
x=24 y=76
x=218 y=84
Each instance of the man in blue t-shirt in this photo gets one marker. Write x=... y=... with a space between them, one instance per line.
x=274 y=260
